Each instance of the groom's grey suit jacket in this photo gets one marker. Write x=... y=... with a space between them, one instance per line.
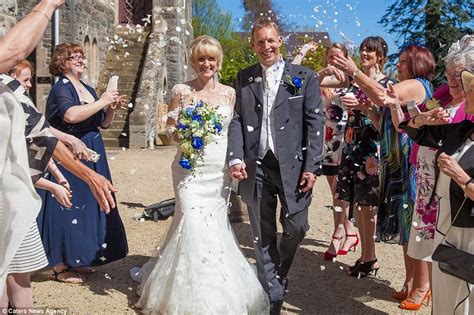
x=298 y=120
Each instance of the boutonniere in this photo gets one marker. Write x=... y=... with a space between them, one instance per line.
x=296 y=83
x=432 y=104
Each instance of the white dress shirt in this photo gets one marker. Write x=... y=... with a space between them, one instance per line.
x=272 y=77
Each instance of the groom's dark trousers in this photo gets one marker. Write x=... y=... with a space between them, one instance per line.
x=273 y=260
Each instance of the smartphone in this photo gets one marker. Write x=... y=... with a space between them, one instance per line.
x=413 y=110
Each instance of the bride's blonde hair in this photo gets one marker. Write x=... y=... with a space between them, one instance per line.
x=206 y=45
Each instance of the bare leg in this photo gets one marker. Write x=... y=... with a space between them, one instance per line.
x=338 y=216
x=19 y=290
x=421 y=281
x=4 y=299
x=409 y=269
x=369 y=220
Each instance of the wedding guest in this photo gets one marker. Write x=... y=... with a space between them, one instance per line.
x=358 y=179
x=415 y=70
x=23 y=72
x=335 y=125
x=420 y=245
x=454 y=189
x=81 y=236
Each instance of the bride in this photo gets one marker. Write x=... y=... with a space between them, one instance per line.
x=200 y=268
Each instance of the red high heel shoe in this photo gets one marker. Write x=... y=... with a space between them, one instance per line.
x=413 y=306
x=353 y=246
x=327 y=254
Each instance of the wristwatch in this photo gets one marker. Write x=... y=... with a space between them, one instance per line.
x=464 y=186
x=356 y=73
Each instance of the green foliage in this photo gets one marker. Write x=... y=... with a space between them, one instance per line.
x=439 y=23
x=209 y=19
x=237 y=56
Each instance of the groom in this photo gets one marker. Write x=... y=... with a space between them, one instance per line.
x=275 y=148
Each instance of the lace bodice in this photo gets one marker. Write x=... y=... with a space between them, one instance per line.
x=224 y=95
x=223 y=99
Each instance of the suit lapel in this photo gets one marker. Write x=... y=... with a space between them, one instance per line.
x=256 y=86
x=282 y=93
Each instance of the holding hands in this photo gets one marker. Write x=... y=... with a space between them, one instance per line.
x=238 y=172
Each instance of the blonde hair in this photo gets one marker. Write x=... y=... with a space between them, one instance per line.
x=206 y=46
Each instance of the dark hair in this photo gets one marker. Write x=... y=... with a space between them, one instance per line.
x=420 y=62
x=60 y=55
x=377 y=44
x=264 y=22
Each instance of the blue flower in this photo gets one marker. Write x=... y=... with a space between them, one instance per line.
x=218 y=127
x=189 y=111
x=185 y=164
x=197 y=118
x=297 y=82
x=182 y=126
x=197 y=142
x=200 y=104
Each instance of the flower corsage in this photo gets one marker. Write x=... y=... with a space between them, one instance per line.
x=296 y=83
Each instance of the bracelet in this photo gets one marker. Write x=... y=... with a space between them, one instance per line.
x=42 y=13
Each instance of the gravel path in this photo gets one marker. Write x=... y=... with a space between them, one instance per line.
x=143 y=177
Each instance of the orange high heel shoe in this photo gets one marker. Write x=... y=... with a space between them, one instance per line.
x=327 y=254
x=353 y=246
x=412 y=306
x=402 y=294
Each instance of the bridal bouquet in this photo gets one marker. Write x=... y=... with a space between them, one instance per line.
x=196 y=126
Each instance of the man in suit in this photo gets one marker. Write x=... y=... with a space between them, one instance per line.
x=275 y=149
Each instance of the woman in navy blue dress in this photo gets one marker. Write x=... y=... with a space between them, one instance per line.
x=81 y=236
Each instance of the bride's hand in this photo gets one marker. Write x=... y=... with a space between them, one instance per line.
x=238 y=172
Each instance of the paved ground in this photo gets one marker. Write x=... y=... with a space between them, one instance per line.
x=143 y=177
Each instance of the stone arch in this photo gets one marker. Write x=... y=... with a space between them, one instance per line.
x=94 y=59
x=87 y=53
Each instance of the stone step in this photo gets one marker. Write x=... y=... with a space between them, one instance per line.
x=116 y=142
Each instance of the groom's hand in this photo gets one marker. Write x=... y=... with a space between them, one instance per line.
x=307 y=181
x=238 y=172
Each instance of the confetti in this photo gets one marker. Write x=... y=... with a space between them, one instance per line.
x=322 y=267
x=74 y=221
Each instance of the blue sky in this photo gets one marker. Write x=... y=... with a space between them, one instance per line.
x=342 y=19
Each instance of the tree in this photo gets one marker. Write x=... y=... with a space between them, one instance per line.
x=262 y=8
x=209 y=19
x=438 y=22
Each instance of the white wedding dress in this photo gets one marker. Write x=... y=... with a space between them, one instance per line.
x=200 y=268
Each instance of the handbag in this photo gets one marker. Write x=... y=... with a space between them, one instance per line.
x=453 y=261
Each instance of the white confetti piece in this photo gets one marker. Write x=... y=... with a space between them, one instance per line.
x=405 y=206
x=74 y=221
x=103 y=258
x=112 y=158
x=322 y=267
x=104 y=246
x=250 y=128
x=418 y=238
x=130 y=105
x=78 y=260
x=65 y=81
x=123 y=134
x=124 y=149
x=415 y=224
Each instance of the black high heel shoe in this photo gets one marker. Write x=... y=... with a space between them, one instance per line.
x=363 y=269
